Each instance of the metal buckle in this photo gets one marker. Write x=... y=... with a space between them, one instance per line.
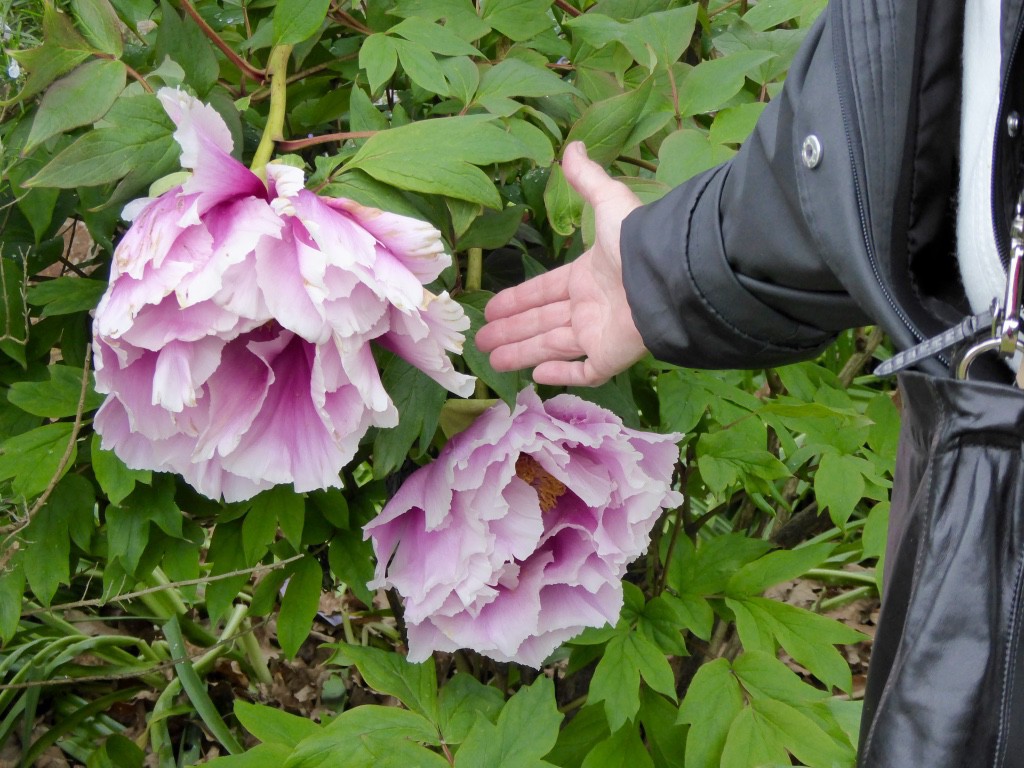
x=1005 y=338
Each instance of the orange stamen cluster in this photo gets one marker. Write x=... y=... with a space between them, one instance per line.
x=549 y=489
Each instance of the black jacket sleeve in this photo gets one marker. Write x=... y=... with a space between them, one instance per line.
x=736 y=268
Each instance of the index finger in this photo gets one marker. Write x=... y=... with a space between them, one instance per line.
x=549 y=288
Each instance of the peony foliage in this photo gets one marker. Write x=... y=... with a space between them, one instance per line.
x=262 y=498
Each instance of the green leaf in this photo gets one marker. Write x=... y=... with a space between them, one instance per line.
x=440 y=157
x=526 y=730
x=808 y=637
x=463 y=77
x=351 y=560
x=98 y=20
x=711 y=84
x=12 y=590
x=284 y=508
x=734 y=124
x=370 y=736
x=777 y=567
x=62 y=50
x=514 y=78
x=272 y=725
x=156 y=503
x=687 y=152
x=753 y=741
x=81 y=98
x=884 y=434
x=182 y=41
x=660 y=622
x=692 y=612
x=771 y=13
x=117 y=752
x=66 y=295
x=666 y=33
x=299 y=605
x=563 y=204
x=434 y=37
x=712 y=703
x=876 y=530
x=47 y=563
x=32 y=458
x=379 y=57
x=624 y=749
x=13 y=312
x=616 y=682
x=421 y=66
x=763 y=676
x=738 y=454
x=802 y=736
x=665 y=737
x=139 y=130
x=709 y=571
x=506 y=384
x=116 y=479
x=57 y=397
x=839 y=486
x=518 y=19
x=298 y=20
x=260 y=756
x=418 y=399
x=605 y=125
x=415 y=685
x=681 y=402
x=493 y=230
x=462 y=701
x=127 y=537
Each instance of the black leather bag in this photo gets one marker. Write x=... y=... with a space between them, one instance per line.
x=946 y=681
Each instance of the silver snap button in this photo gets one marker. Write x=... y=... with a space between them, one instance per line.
x=1013 y=124
x=810 y=153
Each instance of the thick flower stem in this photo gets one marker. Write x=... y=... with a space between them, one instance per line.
x=274 y=131
x=474 y=269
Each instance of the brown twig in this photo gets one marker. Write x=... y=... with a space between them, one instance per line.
x=859 y=359
x=347 y=20
x=638 y=163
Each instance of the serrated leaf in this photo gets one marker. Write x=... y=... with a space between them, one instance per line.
x=777 y=567
x=272 y=725
x=57 y=397
x=98 y=20
x=415 y=685
x=712 y=703
x=298 y=20
x=80 y=98
x=32 y=458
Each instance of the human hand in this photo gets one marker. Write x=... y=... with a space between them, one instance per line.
x=573 y=323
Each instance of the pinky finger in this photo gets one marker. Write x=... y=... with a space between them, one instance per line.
x=576 y=373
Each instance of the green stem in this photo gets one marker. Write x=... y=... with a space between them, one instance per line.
x=865 y=578
x=274 y=131
x=254 y=654
x=475 y=269
x=846 y=597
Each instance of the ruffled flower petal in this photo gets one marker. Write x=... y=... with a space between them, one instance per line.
x=517 y=537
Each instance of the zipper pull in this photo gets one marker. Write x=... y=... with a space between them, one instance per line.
x=969 y=328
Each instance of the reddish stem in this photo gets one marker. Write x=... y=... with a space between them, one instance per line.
x=312 y=141
x=247 y=69
x=568 y=8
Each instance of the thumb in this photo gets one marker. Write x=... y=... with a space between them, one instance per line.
x=587 y=177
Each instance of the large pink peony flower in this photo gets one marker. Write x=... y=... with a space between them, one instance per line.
x=233 y=340
x=517 y=537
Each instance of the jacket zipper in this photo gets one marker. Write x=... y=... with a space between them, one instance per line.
x=853 y=132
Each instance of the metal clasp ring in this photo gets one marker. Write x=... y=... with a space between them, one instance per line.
x=988 y=345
